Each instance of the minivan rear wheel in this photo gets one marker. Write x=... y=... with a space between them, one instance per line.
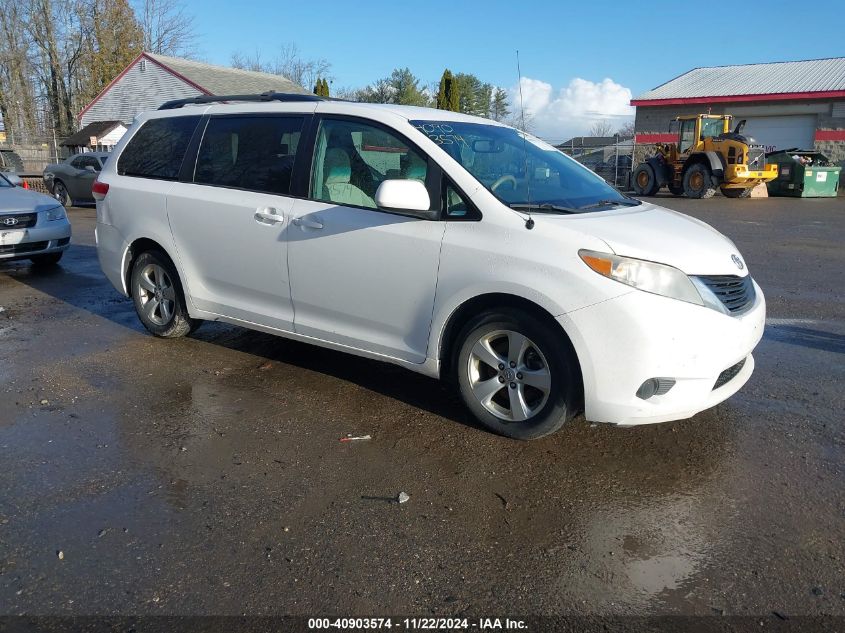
x=515 y=374
x=158 y=297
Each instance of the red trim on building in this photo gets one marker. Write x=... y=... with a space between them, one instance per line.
x=830 y=135
x=126 y=70
x=783 y=96
x=655 y=138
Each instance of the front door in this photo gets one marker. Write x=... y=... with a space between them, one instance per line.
x=229 y=223
x=87 y=168
x=360 y=276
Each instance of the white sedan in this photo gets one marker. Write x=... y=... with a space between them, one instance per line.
x=32 y=225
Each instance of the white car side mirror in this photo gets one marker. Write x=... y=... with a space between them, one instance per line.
x=403 y=195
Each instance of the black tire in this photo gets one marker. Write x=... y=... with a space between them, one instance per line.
x=699 y=181
x=737 y=193
x=60 y=193
x=545 y=355
x=50 y=259
x=158 y=297
x=644 y=181
x=676 y=191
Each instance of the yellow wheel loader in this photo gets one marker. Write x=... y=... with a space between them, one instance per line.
x=706 y=156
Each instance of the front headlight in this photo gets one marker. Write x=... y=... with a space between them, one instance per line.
x=56 y=214
x=658 y=279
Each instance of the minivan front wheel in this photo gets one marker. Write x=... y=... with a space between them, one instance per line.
x=515 y=375
x=158 y=298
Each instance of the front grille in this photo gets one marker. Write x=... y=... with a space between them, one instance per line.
x=736 y=293
x=21 y=220
x=729 y=374
x=27 y=247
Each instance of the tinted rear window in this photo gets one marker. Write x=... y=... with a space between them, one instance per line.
x=157 y=149
x=255 y=153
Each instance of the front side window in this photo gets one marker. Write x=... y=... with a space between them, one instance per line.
x=254 y=153
x=352 y=159
x=4 y=183
x=520 y=169
x=158 y=148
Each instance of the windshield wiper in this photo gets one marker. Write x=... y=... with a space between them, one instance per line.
x=544 y=207
x=604 y=203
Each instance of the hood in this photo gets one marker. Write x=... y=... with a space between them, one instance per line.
x=18 y=200
x=660 y=235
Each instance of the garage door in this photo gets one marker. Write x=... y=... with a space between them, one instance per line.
x=782 y=132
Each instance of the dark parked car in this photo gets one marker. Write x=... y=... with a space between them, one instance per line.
x=70 y=181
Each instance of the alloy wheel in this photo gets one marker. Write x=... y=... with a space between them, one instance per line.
x=156 y=294
x=509 y=375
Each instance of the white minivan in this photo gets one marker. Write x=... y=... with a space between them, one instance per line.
x=448 y=244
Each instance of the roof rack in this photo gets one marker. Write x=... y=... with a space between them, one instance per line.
x=264 y=96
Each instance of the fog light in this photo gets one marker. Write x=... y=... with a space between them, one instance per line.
x=655 y=387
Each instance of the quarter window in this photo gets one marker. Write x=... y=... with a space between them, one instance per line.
x=352 y=159
x=158 y=148
x=255 y=153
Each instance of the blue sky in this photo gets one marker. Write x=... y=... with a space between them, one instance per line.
x=580 y=61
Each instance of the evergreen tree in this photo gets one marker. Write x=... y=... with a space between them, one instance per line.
x=474 y=97
x=447 y=95
x=116 y=39
x=499 y=109
x=326 y=88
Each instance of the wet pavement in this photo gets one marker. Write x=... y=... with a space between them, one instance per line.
x=205 y=475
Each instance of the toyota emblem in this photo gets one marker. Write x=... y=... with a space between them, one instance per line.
x=738 y=261
x=10 y=221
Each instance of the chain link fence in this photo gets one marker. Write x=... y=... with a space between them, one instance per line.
x=612 y=160
x=33 y=156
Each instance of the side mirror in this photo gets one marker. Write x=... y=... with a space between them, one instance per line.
x=409 y=196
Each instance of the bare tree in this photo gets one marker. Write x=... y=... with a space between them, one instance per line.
x=168 y=27
x=626 y=130
x=17 y=90
x=288 y=63
x=602 y=127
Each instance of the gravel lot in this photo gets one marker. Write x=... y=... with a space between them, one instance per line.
x=205 y=475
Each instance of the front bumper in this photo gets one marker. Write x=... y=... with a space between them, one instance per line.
x=623 y=342
x=47 y=236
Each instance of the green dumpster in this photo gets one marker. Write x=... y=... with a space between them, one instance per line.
x=803 y=174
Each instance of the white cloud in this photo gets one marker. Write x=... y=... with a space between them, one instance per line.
x=574 y=108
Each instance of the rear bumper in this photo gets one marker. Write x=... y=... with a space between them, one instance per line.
x=740 y=177
x=111 y=251
x=623 y=342
x=42 y=239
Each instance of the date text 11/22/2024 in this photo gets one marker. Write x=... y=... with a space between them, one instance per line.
x=435 y=624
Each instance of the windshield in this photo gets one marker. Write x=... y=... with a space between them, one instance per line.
x=520 y=169
x=712 y=127
x=4 y=182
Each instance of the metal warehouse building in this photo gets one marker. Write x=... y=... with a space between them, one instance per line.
x=786 y=104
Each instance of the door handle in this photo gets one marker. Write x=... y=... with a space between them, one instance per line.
x=269 y=216
x=309 y=222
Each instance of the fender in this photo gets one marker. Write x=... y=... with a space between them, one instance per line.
x=711 y=159
x=662 y=173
